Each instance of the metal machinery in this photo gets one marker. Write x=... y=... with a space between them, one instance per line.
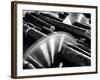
x=56 y=39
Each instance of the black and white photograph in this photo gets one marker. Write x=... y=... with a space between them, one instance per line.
x=53 y=39
x=56 y=39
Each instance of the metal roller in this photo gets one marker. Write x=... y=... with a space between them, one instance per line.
x=66 y=27
x=37 y=20
x=49 y=15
